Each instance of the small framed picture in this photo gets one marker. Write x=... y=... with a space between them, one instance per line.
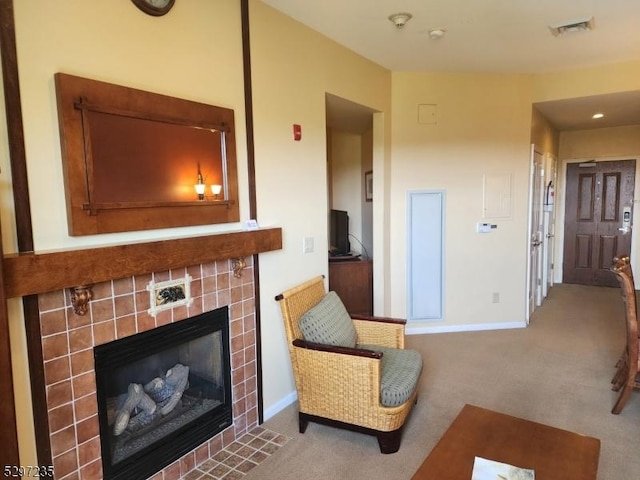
x=368 y=186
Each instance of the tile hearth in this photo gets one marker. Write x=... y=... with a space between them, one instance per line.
x=237 y=459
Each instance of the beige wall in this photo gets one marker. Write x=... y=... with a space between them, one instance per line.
x=543 y=135
x=346 y=179
x=600 y=143
x=616 y=77
x=367 y=207
x=483 y=127
x=194 y=52
x=179 y=54
x=484 y=123
x=293 y=68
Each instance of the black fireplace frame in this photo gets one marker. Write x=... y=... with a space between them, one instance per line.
x=161 y=453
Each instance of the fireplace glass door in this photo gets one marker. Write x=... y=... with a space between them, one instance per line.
x=162 y=393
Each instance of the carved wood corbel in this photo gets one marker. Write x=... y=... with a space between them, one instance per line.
x=80 y=298
x=238 y=264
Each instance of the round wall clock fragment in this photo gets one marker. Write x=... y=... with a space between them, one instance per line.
x=154 y=7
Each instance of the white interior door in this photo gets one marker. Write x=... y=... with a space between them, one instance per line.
x=549 y=221
x=547 y=253
x=534 y=276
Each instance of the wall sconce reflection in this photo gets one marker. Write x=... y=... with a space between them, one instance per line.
x=216 y=189
x=200 y=187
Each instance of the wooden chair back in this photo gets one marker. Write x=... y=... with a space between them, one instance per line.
x=629 y=363
x=623 y=264
x=630 y=312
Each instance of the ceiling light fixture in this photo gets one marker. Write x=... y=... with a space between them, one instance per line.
x=400 y=19
x=573 y=27
x=597 y=115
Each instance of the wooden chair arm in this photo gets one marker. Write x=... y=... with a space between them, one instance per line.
x=369 y=318
x=358 y=352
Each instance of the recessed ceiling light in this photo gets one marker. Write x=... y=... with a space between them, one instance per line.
x=597 y=115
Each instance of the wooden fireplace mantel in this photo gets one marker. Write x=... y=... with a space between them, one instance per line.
x=33 y=273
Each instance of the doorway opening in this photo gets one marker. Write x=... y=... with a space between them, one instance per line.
x=541 y=245
x=350 y=152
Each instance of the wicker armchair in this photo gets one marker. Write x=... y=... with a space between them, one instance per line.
x=341 y=386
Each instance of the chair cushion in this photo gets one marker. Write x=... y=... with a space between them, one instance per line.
x=329 y=323
x=400 y=373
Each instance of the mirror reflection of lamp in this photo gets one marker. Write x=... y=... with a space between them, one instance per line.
x=200 y=186
x=216 y=189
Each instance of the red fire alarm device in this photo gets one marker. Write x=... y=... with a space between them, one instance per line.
x=297 y=132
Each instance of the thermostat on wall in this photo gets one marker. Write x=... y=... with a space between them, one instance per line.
x=485 y=227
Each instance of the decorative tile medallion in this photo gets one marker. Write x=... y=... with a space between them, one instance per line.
x=169 y=294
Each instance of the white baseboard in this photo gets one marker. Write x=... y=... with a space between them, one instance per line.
x=280 y=405
x=421 y=329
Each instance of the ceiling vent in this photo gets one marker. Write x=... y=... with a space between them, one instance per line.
x=572 y=27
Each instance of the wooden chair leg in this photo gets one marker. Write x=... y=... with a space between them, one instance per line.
x=621 y=359
x=619 y=378
x=303 y=422
x=622 y=399
x=389 y=442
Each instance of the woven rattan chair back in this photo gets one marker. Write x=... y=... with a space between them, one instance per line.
x=298 y=300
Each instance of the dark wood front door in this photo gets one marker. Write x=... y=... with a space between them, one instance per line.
x=598 y=194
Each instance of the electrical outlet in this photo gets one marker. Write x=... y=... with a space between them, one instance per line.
x=496 y=297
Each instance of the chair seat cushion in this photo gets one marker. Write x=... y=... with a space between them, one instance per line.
x=329 y=323
x=401 y=370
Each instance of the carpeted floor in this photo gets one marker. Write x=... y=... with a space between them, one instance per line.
x=557 y=372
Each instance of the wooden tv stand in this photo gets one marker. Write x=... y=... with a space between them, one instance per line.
x=352 y=280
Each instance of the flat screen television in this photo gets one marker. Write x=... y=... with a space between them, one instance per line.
x=339 y=233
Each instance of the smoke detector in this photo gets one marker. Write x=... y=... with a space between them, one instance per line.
x=400 y=19
x=573 y=27
x=436 y=33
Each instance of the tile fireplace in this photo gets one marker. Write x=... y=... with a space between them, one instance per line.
x=120 y=312
x=162 y=393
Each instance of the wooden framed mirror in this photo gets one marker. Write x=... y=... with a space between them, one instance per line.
x=132 y=159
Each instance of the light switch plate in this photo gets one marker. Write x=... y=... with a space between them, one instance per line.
x=307 y=245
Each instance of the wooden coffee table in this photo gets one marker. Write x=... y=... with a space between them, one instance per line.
x=552 y=453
